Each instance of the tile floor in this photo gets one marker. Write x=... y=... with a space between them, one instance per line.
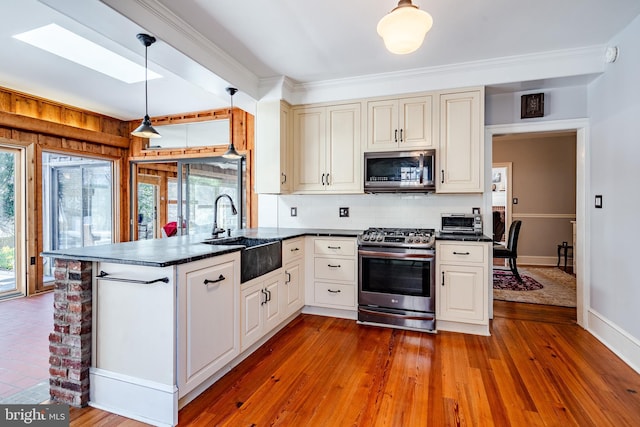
x=25 y=324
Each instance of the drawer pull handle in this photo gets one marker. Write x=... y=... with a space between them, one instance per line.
x=103 y=275
x=295 y=249
x=334 y=247
x=219 y=279
x=461 y=253
x=334 y=292
x=333 y=266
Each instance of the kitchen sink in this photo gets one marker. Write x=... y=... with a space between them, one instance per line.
x=258 y=257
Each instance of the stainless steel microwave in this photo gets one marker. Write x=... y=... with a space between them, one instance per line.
x=399 y=171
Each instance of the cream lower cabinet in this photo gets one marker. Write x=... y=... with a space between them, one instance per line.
x=292 y=295
x=327 y=149
x=260 y=307
x=461 y=149
x=462 y=287
x=209 y=318
x=332 y=282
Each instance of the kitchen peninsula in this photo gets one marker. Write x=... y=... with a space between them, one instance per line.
x=141 y=328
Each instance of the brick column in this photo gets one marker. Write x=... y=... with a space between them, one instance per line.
x=70 y=341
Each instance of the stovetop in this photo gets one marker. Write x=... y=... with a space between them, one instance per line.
x=398 y=237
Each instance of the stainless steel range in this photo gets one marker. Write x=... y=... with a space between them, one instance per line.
x=396 y=278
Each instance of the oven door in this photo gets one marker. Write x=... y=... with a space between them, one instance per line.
x=396 y=278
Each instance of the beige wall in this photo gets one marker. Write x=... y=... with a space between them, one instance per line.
x=544 y=182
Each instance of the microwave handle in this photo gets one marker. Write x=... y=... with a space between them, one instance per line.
x=421 y=169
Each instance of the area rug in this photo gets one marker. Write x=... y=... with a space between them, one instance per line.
x=505 y=280
x=558 y=287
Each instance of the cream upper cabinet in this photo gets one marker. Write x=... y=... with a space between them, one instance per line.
x=273 y=148
x=461 y=150
x=327 y=149
x=406 y=123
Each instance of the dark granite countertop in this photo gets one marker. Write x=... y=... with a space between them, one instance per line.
x=463 y=237
x=182 y=249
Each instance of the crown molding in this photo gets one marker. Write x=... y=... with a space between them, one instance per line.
x=537 y=66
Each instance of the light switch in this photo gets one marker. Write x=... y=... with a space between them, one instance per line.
x=515 y=200
x=598 y=201
x=294 y=211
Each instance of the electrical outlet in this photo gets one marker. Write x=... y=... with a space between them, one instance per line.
x=343 y=212
x=32 y=260
x=294 y=211
x=515 y=200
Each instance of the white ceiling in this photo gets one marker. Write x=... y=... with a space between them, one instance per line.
x=249 y=41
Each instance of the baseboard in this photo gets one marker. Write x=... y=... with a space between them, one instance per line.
x=615 y=338
x=464 y=328
x=542 y=261
x=330 y=312
x=141 y=400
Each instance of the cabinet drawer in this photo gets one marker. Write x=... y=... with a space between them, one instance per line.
x=291 y=249
x=457 y=252
x=335 y=294
x=335 y=269
x=335 y=247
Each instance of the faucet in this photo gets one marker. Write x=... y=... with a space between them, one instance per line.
x=217 y=230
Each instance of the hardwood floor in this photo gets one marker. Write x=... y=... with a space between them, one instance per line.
x=537 y=369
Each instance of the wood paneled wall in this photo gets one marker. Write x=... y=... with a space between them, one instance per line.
x=37 y=124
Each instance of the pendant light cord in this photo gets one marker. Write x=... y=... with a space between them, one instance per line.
x=146 y=82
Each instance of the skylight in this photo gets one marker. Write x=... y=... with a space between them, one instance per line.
x=66 y=44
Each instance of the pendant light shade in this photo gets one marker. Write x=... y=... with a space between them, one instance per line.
x=231 y=152
x=145 y=130
x=404 y=28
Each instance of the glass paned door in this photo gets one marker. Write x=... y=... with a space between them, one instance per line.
x=11 y=223
x=77 y=203
x=148 y=200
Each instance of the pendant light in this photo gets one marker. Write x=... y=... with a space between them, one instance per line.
x=231 y=152
x=145 y=130
x=404 y=28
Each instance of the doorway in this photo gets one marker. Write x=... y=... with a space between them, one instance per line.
x=12 y=222
x=582 y=194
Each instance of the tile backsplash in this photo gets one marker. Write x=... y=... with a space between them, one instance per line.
x=365 y=210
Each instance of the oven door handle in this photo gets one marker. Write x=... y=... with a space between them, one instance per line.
x=401 y=316
x=395 y=255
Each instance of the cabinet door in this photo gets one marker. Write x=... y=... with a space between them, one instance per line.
x=271 y=310
x=461 y=156
x=211 y=322
x=273 y=136
x=461 y=295
x=309 y=127
x=252 y=299
x=382 y=125
x=416 y=122
x=344 y=153
x=292 y=294
x=286 y=172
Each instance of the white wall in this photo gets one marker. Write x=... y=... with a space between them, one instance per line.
x=614 y=111
x=561 y=103
x=366 y=210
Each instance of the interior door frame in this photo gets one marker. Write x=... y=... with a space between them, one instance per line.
x=509 y=191
x=582 y=251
